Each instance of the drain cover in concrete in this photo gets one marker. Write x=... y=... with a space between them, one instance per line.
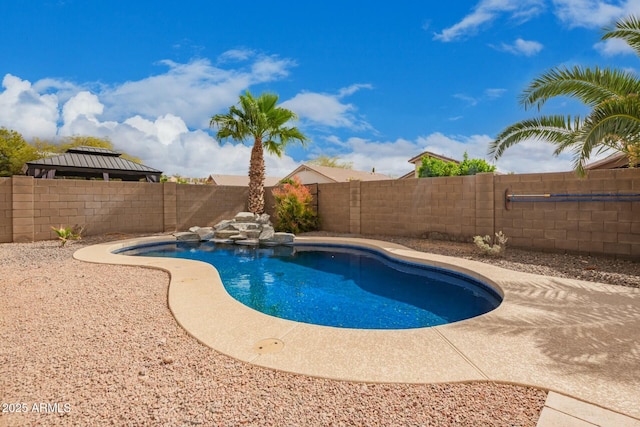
x=270 y=345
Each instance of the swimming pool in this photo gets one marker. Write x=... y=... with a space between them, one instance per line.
x=338 y=286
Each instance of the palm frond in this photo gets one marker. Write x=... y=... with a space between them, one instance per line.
x=557 y=130
x=627 y=29
x=614 y=124
x=589 y=85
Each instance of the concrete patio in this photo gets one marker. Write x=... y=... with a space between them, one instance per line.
x=579 y=339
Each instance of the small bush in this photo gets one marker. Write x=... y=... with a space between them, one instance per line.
x=432 y=167
x=487 y=247
x=293 y=211
x=68 y=233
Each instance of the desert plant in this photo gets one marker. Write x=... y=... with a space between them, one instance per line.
x=293 y=211
x=67 y=233
x=487 y=247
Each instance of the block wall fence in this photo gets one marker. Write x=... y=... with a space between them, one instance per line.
x=455 y=208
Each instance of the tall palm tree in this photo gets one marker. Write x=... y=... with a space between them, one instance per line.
x=612 y=95
x=258 y=118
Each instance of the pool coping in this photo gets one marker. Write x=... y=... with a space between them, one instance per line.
x=507 y=345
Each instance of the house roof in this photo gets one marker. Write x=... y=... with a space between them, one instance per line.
x=91 y=161
x=434 y=155
x=338 y=174
x=614 y=161
x=240 y=180
x=409 y=175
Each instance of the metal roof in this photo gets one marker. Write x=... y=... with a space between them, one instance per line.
x=85 y=149
x=71 y=160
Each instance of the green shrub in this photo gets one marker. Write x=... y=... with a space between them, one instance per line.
x=293 y=211
x=432 y=167
x=68 y=233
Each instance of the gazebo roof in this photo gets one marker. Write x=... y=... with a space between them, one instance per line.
x=91 y=161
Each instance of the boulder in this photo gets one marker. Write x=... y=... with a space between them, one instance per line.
x=187 y=236
x=267 y=232
x=244 y=226
x=245 y=217
x=252 y=234
x=262 y=218
x=248 y=242
x=223 y=225
x=194 y=229
x=214 y=240
x=283 y=238
x=205 y=233
x=225 y=234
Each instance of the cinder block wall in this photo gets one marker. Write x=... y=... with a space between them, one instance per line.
x=453 y=207
x=6 y=210
x=333 y=207
x=206 y=205
x=99 y=206
x=435 y=207
x=607 y=227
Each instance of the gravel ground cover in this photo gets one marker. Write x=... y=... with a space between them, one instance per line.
x=89 y=344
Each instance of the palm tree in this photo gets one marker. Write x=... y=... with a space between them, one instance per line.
x=612 y=95
x=262 y=120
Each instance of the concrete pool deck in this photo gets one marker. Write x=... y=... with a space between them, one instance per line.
x=580 y=340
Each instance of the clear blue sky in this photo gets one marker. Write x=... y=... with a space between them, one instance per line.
x=373 y=82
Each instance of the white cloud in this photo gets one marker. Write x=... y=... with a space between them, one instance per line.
x=146 y=118
x=494 y=93
x=485 y=12
x=391 y=157
x=469 y=100
x=593 y=13
x=613 y=47
x=234 y=55
x=193 y=91
x=25 y=110
x=327 y=109
x=522 y=47
x=533 y=156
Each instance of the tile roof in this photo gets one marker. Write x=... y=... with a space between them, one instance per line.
x=339 y=174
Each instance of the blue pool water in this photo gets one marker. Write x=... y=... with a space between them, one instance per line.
x=338 y=286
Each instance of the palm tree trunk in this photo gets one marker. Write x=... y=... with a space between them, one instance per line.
x=256 y=178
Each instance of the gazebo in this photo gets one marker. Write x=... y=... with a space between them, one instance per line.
x=91 y=162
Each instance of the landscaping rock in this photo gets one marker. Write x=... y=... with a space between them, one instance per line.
x=283 y=238
x=225 y=234
x=245 y=217
x=223 y=225
x=253 y=234
x=267 y=232
x=262 y=219
x=205 y=233
x=244 y=226
x=214 y=240
x=187 y=236
x=248 y=242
